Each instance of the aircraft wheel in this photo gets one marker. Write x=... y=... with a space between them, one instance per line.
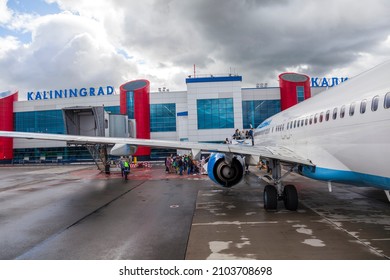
x=290 y=196
x=270 y=197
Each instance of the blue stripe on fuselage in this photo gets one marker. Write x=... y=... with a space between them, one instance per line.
x=348 y=177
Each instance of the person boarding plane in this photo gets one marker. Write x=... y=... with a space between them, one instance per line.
x=340 y=135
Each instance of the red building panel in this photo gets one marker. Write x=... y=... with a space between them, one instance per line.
x=7 y=123
x=289 y=84
x=140 y=90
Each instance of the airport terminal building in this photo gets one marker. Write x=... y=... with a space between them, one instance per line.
x=209 y=110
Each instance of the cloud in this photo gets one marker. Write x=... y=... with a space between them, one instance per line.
x=5 y=13
x=66 y=50
x=109 y=41
x=8 y=44
x=265 y=37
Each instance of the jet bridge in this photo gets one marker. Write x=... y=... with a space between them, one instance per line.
x=95 y=121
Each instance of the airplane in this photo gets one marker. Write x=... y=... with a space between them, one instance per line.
x=340 y=135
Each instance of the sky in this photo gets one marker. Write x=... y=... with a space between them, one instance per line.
x=60 y=44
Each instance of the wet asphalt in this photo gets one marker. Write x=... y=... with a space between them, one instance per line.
x=78 y=213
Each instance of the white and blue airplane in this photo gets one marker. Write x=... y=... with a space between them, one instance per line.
x=340 y=135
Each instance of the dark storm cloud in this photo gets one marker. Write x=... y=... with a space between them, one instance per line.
x=264 y=35
x=163 y=39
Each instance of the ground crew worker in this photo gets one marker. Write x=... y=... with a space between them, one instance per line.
x=127 y=168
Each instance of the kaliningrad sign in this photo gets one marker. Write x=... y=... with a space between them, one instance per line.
x=327 y=82
x=69 y=93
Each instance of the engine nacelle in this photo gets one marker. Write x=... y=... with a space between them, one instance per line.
x=226 y=171
x=123 y=150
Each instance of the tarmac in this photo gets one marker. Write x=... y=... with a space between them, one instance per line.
x=77 y=213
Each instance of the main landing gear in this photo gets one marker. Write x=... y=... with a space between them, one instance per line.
x=276 y=191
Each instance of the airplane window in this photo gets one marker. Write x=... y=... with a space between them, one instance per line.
x=327 y=115
x=387 y=101
x=315 y=118
x=334 y=113
x=321 y=116
x=342 y=111
x=363 y=106
x=352 y=109
x=311 y=120
x=306 y=121
x=375 y=103
x=302 y=121
x=295 y=124
x=298 y=123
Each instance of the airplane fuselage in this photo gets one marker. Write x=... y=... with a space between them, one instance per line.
x=344 y=131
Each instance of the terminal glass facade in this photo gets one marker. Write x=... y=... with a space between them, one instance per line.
x=162 y=117
x=254 y=112
x=50 y=121
x=130 y=104
x=300 y=93
x=215 y=113
x=115 y=110
x=52 y=155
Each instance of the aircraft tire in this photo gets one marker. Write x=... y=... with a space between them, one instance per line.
x=270 y=196
x=290 y=196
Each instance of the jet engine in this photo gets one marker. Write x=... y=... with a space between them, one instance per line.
x=226 y=170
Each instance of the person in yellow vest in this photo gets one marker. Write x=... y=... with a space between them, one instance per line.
x=126 y=166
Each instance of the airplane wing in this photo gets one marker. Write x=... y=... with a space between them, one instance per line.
x=262 y=152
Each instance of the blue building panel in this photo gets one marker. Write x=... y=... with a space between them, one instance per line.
x=182 y=114
x=212 y=79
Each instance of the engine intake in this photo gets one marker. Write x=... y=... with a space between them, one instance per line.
x=225 y=171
